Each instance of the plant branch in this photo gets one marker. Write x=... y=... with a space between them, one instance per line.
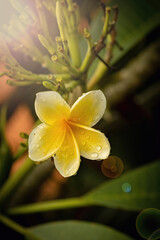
x=50 y=205
x=17 y=227
x=14 y=181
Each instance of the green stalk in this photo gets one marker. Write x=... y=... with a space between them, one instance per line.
x=101 y=67
x=62 y=29
x=14 y=181
x=106 y=22
x=88 y=58
x=73 y=44
x=3 y=114
x=13 y=225
x=34 y=78
x=17 y=227
x=43 y=22
x=20 y=152
x=19 y=83
x=64 y=17
x=50 y=205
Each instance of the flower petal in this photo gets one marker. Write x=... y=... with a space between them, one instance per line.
x=44 y=141
x=92 y=143
x=51 y=107
x=89 y=108
x=67 y=159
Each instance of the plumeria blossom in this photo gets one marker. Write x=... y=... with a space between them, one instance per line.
x=66 y=133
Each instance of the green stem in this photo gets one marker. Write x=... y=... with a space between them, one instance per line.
x=50 y=205
x=69 y=33
x=36 y=77
x=106 y=22
x=89 y=55
x=97 y=76
x=19 y=83
x=14 y=181
x=20 y=152
x=72 y=84
x=101 y=68
x=74 y=49
x=43 y=22
x=13 y=225
x=2 y=74
x=3 y=114
x=17 y=227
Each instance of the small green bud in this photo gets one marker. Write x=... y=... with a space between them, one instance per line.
x=49 y=85
x=86 y=33
x=23 y=145
x=46 y=44
x=24 y=135
x=50 y=76
x=54 y=58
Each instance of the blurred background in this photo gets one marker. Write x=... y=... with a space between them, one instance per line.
x=132 y=124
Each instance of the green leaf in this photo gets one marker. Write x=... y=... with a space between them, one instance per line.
x=134 y=190
x=148 y=223
x=76 y=230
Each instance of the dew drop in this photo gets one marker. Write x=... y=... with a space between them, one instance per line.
x=126 y=187
x=87 y=137
x=97 y=118
x=37 y=145
x=98 y=148
x=83 y=143
x=43 y=100
x=89 y=147
x=94 y=155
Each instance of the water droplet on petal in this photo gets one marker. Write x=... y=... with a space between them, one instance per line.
x=43 y=99
x=37 y=145
x=98 y=148
x=83 y=143
x=94 y=155
x=126 y=187
x=97 y=118
x=87 y=137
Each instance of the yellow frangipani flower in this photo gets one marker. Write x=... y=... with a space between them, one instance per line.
x=65 y=133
